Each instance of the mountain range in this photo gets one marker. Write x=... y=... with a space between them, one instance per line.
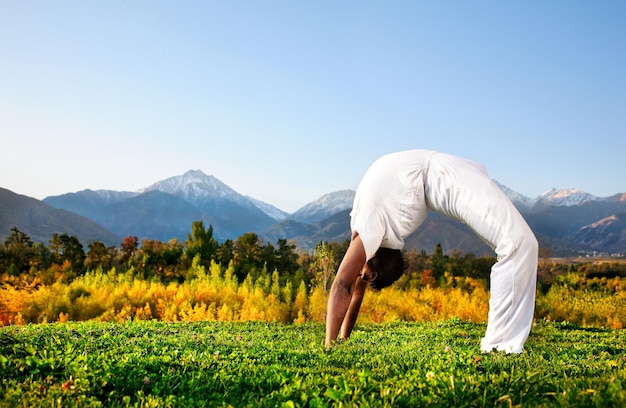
x=568 y=221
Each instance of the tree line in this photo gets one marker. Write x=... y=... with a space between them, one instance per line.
x=168 y=261
x=24 y=262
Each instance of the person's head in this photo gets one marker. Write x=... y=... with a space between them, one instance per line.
x=386 y=267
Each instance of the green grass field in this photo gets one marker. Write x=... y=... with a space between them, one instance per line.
x=159 y=364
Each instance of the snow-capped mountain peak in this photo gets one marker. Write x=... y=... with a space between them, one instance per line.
x=195 y=187
x=566 y=197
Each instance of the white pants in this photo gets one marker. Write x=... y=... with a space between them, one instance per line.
x=462 y=189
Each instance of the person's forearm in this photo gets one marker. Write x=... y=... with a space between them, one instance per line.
x=342 y=289
x=356 y=299
x=338 y=302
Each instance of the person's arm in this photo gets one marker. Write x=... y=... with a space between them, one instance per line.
x=343 y=288
x=358 y=290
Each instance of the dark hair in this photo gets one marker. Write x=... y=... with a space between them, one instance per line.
x=387 y=267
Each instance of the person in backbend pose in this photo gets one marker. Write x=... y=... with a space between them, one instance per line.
x=393 y=199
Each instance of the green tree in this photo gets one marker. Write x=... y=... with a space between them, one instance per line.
x=268 y=256
x=55 y=246
x=41 y=257
x=73 y=252
x=226 y=252
x=160 y=260
x=459 y=265
x=18 y=251
x=247 y=254
x=149 y=253
x=99 y=255
x=439 y=261
x=481 y=267
x=201 y=242
x=286 y=257
x=171 y=258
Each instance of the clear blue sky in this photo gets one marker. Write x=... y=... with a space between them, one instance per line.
x=288 y=100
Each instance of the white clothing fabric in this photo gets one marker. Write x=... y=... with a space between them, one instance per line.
x=393 y=199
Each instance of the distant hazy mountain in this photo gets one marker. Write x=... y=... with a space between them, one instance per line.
x=166 y=209
x=269 y=209
x=556 y=217
x=325 y=206
x=302 y=234
x=609 y=234
x=40 y=221
x=560 y=221
x=560 y=214
x=522 y=202
x=565 y=220
x=153 y=214
x=335 y=228
x=88 y=203
x=452 y=235
x=605 y=235
x=234 y=213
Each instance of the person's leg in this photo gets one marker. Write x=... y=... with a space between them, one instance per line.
x=512 y=302
x=463 y=190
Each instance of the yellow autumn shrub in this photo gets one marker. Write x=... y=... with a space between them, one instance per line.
x=217 y=295
x=11 y=305
x=464 y=298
